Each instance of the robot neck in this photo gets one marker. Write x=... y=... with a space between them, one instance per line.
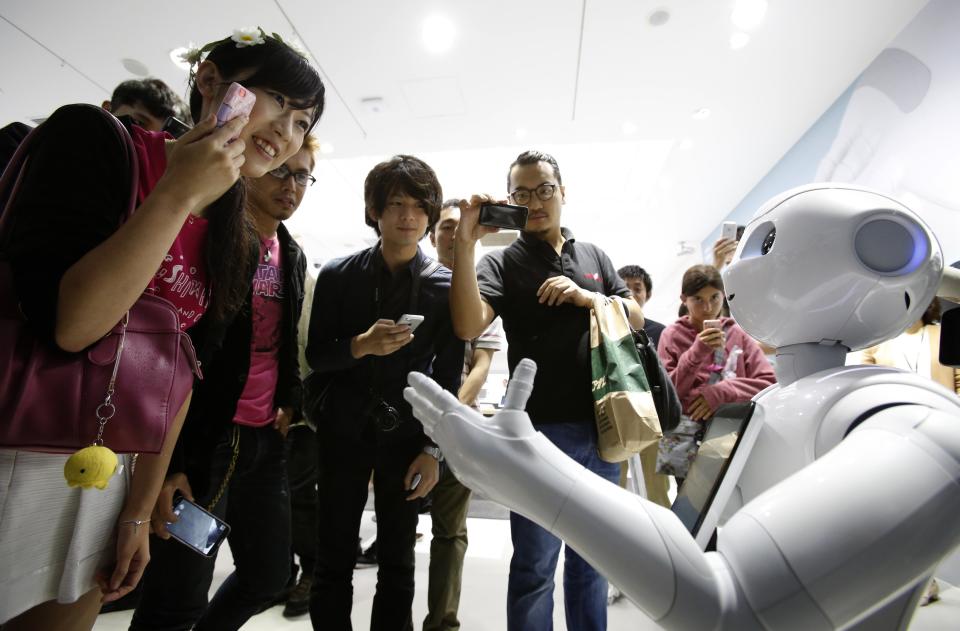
x=799 y=360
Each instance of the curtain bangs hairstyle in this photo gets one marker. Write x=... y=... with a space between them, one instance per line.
x=402 y=174
x=275 y=67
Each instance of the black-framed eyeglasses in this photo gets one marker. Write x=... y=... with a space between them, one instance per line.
x=544 y=192
x=302 y=178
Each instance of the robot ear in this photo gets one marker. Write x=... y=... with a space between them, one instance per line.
x=891 y=245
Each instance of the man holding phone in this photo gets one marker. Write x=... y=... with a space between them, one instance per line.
x=230 y=457
x=364 y=425
x=543 y=286
x=448 y=510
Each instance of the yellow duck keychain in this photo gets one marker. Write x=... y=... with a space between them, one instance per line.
x=90 y=467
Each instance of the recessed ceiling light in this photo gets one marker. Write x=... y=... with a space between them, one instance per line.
x=738 y=40
x=521 y=133
x=176 y=56
x=439 y=34
x=701 y=114
x=373 y=104
x=629 y=128
x=659 y=17
x=326 y=148
x=135 y=67
x=748 y=14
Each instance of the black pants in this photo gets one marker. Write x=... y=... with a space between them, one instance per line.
x=256 y=505
x=302 y=473
x=345 y=468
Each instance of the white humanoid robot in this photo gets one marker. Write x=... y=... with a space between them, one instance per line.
x=840 y=485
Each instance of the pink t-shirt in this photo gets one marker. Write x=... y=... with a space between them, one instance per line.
x=182 y=277
x=255 y=407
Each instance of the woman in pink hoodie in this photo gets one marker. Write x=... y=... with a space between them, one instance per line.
x=710 y=365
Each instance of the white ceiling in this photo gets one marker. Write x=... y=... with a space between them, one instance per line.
x=590 y=80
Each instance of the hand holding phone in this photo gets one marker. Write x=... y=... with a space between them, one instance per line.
x=503 y=216
x=412 y=320
x=196 y=528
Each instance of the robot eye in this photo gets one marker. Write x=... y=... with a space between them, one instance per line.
x=768 y=240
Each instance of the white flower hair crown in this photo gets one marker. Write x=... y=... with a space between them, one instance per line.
x=242 y=37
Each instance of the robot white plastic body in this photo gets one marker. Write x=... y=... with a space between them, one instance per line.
x=845 y=485
x=796 y=424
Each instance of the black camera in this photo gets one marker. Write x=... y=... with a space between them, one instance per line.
x=385 y=417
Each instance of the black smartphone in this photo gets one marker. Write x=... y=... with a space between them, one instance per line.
x=503 y=216
x=950 y=338
x=175 y=127
x=196 y=528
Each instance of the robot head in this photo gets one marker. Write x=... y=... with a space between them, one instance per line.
x=828 y=263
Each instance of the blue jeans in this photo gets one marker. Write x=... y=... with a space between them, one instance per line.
x=535 y=553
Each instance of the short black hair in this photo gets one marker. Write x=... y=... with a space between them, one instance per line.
x=533 y=157
x=447 y=203
x=153 y=94
x=635 y=271
x=402 y=174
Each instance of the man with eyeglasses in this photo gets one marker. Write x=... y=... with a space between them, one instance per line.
x=232 y=445
x=543 y=286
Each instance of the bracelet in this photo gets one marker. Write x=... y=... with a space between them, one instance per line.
x=136 y=523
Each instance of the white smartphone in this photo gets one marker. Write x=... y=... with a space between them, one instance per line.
x=712 y=324
x=729 y=230
x=415 y=482
x=412 y=320
x=197 y=529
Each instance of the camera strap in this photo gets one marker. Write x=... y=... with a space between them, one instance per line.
x=427 y=269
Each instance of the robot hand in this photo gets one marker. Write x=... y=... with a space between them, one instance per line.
x=503 y=457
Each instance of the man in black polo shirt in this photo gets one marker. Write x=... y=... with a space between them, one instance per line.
x=543 y=286
x=363 y=423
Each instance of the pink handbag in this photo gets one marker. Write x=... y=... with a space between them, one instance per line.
x=123 y=391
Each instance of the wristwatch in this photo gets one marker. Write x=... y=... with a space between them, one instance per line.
x=433 y=451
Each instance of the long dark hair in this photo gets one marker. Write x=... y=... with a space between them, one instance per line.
x=232 y=242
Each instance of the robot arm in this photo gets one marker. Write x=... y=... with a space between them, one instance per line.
x=858 y=527
x=642 y=548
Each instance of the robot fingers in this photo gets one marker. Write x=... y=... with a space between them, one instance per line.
x=521 y=385
x=429 y=401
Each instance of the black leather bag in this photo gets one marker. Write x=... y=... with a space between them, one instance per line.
x=665 y=397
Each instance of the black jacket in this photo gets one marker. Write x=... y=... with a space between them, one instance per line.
x=226 y=362
x=352 y=292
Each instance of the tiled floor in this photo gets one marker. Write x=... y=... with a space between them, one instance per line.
x=484 y=590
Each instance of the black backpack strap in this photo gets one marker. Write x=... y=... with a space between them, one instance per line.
x=426 y=271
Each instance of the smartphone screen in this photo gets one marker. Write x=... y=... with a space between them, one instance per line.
x=196 y=528
x=503 y=216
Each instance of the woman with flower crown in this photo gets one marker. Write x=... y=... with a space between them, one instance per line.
x=66 y=550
